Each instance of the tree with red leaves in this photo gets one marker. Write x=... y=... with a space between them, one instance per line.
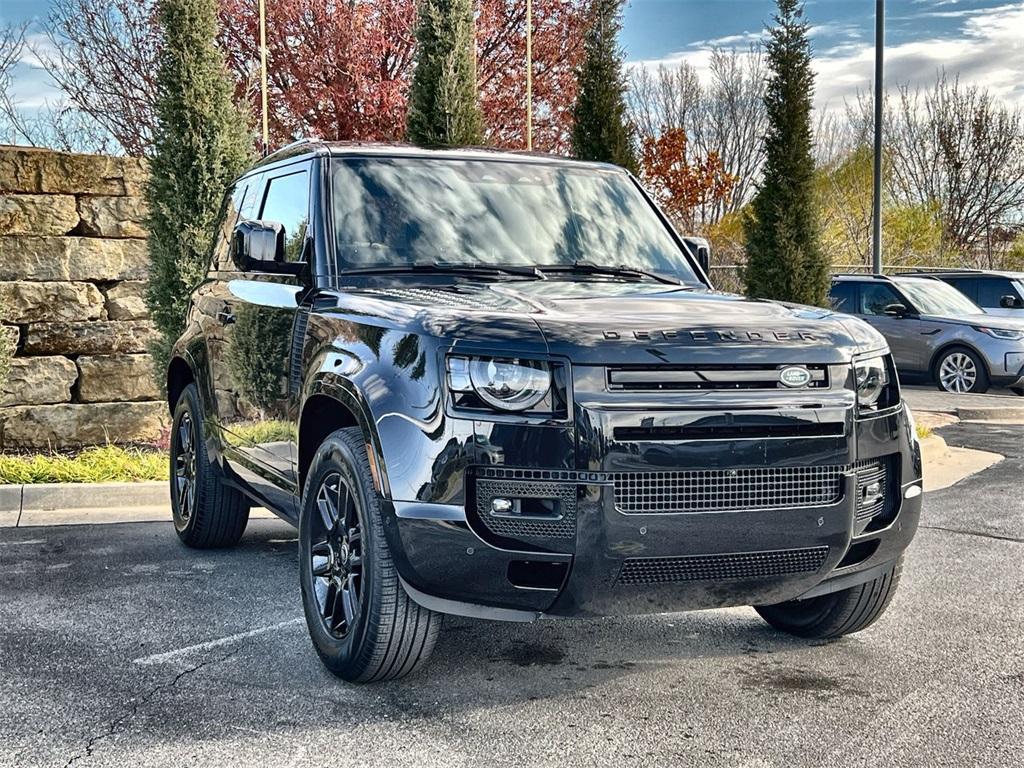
x=341 y=70
x=687 y=189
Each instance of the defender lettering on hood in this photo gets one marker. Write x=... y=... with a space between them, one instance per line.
x=713 y=335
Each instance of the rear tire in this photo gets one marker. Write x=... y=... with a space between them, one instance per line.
x=364 y=626
x=207 y=513
x=1017 y=391
x=836 y=614
x=960 y=371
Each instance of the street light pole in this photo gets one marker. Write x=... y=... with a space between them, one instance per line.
x=876 y=229
x=529 y=75
x=263 y=74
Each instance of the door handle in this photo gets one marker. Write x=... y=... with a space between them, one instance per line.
x=225 y=317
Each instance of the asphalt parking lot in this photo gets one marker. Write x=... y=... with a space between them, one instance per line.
x=118 y=647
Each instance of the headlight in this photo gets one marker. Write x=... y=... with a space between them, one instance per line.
x=1001 y=333
x=876 y=388
x=508 y=384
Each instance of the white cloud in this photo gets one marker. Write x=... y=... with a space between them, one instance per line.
x=32 y=88
x=987 y=49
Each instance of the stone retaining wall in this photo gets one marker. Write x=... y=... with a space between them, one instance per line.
x=72 y=278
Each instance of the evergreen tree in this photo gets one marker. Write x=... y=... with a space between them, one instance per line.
x=601 y=130
x=784 y=257
x=443 y=104
x=201 y=143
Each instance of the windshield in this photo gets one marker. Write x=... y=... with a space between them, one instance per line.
x=934 y=297
x=395 y=212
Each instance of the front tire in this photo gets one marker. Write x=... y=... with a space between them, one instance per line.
x=364 y=626
x=961 y=371
x=836 y=614
x=206 y=512
x=1017 y=391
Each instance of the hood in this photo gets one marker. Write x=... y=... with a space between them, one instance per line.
x=985 y=319
x=602 y=322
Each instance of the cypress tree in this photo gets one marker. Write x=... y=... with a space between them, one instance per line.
x=201 y=144
x=784 y=257
x=601 y=130
x=443 y=104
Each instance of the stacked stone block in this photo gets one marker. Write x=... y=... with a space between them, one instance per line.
x=73 y=266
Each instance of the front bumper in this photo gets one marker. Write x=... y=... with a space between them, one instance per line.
x=609 y=562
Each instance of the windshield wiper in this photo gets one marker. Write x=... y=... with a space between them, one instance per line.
x=621 y=270
x=441 y=267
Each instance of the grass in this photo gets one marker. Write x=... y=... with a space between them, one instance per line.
x=259 y=432
x=923 y=432
x=104 y=464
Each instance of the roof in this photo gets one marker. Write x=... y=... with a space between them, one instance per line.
x=851 y=276
x=382 y=149
x=972 y=273
x=933 y=274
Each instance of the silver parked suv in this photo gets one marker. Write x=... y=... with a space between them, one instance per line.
x=935 y=332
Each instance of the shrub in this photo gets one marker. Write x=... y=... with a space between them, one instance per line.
x=201 y=144
x=443 y=104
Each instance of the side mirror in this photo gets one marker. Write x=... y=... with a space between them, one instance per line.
x=896 y=310
x=704 y=258
x=258 y=246
x=701 y=248
x=1011 y=302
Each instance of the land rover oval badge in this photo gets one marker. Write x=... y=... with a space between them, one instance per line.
x=795 y=376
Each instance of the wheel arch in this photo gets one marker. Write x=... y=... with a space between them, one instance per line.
x=326 y=410
x=179 y=376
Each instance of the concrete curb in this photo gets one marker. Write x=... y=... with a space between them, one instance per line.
x=21 y=503
x=933 y=447
x=49 y=496
x=991 y=414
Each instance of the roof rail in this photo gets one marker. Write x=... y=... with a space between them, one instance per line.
x=287 y=148
x=943 y=270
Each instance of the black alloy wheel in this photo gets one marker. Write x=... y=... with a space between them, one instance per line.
x=363 y=624
x=336 y=556
x=183 y=451
x=207 y=512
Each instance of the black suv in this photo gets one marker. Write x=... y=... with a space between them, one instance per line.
x=500 y=386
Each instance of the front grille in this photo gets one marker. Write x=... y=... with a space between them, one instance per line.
x=558 y=525
x=733 y=431
x=737 y=565
x=721 y=490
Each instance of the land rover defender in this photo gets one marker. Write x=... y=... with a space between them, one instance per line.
x=502 y=386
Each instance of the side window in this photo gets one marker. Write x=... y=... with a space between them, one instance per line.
x=287 y=202
x=968 y=287
x=843 y=297
x=992 y=289
x=875 y=297
x=233 y=203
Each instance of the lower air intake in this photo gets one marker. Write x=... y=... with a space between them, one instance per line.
x=736 y=565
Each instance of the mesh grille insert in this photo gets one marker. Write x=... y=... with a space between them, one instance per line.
x=719 y=490
x=739 y=565
x=562 y=526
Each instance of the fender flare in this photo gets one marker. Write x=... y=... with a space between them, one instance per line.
x=349 y=396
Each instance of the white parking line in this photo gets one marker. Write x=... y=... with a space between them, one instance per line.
x=168 y=656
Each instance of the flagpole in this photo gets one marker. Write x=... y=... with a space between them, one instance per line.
x=529 y=75
x=876 y=202
x=263 y=74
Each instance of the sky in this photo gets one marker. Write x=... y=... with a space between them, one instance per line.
x=981 y=40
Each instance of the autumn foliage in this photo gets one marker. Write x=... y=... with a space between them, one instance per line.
x=342 y=70
x=685 y=187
